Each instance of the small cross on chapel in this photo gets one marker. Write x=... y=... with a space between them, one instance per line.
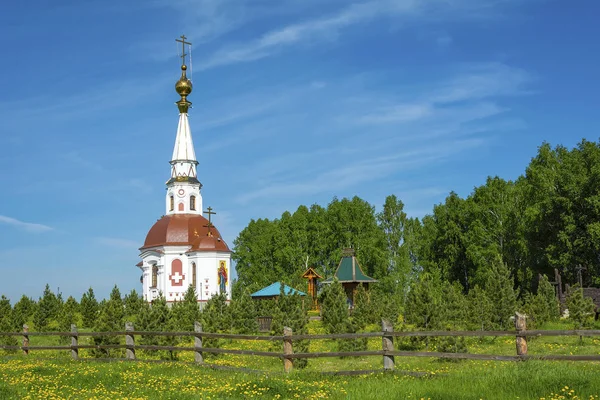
x=184 y=248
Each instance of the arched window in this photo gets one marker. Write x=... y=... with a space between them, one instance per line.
x=193 y=203
x=172 y=204
x=154 y=275
x=181 y=206
x=194 y=274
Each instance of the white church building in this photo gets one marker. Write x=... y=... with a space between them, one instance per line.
x=183 y=247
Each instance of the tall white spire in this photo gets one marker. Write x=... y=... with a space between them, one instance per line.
x=183 y=189
x=184 y=146
x=184 y=157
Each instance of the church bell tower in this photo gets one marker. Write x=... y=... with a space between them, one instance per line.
x=183 y=188
x=183 y=248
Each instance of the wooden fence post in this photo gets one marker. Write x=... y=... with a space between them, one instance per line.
x=74 y=342
x=387 y=343
x=287 y=349
x=129 y=342
x=25 y=339
x=198 y=343
x=521 y=326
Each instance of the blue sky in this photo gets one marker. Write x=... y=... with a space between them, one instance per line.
x=294 y=102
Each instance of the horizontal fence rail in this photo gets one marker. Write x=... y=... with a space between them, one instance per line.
x=387 y=335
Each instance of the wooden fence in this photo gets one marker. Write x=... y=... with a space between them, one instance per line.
x=387 y=352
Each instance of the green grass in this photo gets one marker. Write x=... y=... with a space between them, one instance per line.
x=33 y=378
x=53 y=375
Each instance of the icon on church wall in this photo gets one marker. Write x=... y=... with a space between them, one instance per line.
x=222 y=272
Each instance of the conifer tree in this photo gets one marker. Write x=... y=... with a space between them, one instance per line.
x=171 y=326
x=177 y=314
x=385 y=305
x=543 y=306
x=581 y=308
x=335 y=316
x=548 y=293
x=451 y=344
x=23 y=311
x=147 y=323
x=290 y=311
x=133 y=303
x=59 y=302
x=164 y=322
x=334 y=308
x=68 y=315
x=480 y=309
x=6 y=314
x=536 y=309
x=452 y=316
x=190 y=312
x=215 y=319
x=424 y=302
x=6 y=323
x=47 y=310
x=360 y=316
x=363 y=310
x=89 y=308
x=453 y=307
x=500 y=290
x=110 y=319
x=265 y=308
x=243 y=314
x=72 y=304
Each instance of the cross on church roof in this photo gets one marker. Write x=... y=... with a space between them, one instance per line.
x=183 y=43
x=210 y=213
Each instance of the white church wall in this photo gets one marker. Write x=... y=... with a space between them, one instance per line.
x=175 y=278
x=208 y=264
x=181 y=193
x=149 y=260
x=174 y=285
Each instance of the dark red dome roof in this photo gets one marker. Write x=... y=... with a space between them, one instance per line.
x=185 y=230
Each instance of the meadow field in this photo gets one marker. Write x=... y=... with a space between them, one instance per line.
x=34 y=378
x=54 y=375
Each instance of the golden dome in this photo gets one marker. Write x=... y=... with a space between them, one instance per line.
x=183 y=86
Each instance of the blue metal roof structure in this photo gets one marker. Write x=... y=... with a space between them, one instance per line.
x=273 y=290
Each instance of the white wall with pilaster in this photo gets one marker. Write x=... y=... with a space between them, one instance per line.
x=207 y=264
x=174 y=285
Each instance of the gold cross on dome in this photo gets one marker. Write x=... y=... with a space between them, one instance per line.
x=183 y=43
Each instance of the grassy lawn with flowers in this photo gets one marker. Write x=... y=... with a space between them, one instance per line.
x=53 y=375
x=32 y=378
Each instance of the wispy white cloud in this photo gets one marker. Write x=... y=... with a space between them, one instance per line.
x=322 y=28
x=329 y=28
x=479 y=81
x=76 y=106
x=361 y=171
x=469 y=96
x=373 y=135
x=398 y=113
x=26 y=226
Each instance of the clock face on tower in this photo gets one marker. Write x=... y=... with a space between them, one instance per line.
x=181 y=192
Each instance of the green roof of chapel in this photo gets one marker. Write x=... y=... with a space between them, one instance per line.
x=349 y=270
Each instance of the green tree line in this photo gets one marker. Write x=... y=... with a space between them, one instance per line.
x=547 y=218
x=431 y=304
